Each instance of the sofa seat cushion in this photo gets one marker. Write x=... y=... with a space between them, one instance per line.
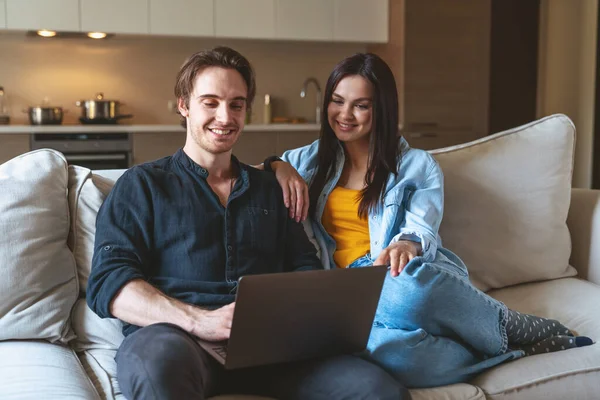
x=506 y=202
x=39 y=279
x=42 y=370
x=569 y=374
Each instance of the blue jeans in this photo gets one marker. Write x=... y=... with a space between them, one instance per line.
x=433 y=327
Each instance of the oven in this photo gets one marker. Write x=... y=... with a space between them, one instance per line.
x=90 y=150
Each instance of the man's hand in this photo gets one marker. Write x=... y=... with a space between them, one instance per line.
x=295 y=189
x=214 y=325
x=397 y=255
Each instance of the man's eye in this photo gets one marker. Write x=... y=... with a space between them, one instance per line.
x=210 y=104
x=237 y=107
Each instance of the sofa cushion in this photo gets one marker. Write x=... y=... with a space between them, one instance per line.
x=39 y=281
x=506 y=203
x=42 y=370
x=569 y=374
x=87 y=191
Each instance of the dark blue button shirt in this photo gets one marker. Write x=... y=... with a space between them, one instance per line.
x=163 y=223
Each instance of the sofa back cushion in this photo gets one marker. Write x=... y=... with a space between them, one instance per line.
x=39 y=281
x=506 y=203
x=87 y=192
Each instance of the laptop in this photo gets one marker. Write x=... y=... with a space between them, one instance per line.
x=284 y=317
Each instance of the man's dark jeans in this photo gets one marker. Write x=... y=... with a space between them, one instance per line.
x=162 y=362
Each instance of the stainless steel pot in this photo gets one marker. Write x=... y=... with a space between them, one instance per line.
x=100 y=111
x=45 y=115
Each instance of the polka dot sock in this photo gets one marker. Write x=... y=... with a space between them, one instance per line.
x=526 y=329
x=555 y=343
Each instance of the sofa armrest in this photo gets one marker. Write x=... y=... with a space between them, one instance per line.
x=584 y=224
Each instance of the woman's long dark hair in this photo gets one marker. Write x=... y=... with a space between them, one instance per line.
x=383 y=142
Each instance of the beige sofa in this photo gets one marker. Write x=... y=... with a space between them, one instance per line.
x=510 y=213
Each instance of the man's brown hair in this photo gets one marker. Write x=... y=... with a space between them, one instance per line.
x=223 y=57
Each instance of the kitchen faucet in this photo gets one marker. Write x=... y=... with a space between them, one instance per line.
x=303 y=95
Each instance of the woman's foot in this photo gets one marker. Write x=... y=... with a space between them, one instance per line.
x=555 y=343
x=523 y=329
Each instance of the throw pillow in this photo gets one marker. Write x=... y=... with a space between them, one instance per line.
x=39 y=282
x=506 y=202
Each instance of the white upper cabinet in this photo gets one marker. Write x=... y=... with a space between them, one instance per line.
x=2 y=14
x=182 y=17
x=114 y=16
x=305 y=20
x=361 y=21
x=60 y=15
x=252 y=19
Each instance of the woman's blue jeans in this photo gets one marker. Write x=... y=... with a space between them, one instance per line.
x=433 y=327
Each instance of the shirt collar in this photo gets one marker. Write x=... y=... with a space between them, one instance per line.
x=181 y=157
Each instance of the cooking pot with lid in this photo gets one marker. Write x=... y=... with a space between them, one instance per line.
x=100 y=111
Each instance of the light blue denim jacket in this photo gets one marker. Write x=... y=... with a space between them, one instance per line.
x=412 y=208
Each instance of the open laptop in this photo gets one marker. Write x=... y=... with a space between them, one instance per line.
x=291 y=316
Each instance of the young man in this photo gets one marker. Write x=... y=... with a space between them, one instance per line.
x=174 y=236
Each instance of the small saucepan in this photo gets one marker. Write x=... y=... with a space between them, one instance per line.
x=100 y=111
x=45 y=115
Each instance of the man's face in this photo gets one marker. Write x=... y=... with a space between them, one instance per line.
x=217 y=109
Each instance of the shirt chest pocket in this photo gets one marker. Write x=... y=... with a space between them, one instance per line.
x=260 y=229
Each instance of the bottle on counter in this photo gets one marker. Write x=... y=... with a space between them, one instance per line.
x=4 y=118
x=267 y=109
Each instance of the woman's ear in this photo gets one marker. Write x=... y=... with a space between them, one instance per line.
x=183 y=110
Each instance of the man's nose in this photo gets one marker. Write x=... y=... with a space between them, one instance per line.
x=223 y=113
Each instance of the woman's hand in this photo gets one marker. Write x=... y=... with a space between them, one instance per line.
x=397 y=255
x=295 y=189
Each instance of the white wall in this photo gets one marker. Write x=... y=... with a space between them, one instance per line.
x=567 y=72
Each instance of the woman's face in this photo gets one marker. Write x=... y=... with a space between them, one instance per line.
x=350 y=111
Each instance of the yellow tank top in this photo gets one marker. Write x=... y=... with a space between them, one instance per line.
x=340 y=219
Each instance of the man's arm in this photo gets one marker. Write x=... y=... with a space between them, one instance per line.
x=141 y=304
x=118 y=287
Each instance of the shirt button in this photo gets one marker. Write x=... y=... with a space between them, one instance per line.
x=203 y=170
x=376 y=242
x=266 y=212
x=375 y=217
x=229 y=248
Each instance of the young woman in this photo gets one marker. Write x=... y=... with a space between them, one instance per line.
x=374 y=200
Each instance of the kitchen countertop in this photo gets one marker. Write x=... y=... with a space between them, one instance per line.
x=21 y=129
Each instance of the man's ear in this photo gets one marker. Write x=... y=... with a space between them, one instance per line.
x=183 y=110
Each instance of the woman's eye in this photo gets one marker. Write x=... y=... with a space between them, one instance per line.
x=362 y=106
x=338 y=102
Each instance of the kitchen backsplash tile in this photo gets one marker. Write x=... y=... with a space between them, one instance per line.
x=140 y=72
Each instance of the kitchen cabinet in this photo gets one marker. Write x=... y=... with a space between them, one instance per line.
x=59 y=15
x=446 y=65
x=305 y=20
x=2 y=14
x=115 y=16
x=245 y=19
x=182 y=17
x=361 y=21
x=13 y=145
x=469 y=66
